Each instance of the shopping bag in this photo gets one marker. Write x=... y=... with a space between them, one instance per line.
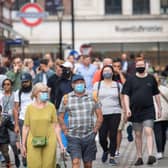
x=61 y=163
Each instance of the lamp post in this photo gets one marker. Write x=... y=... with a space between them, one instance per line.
x=73 y=24
x=60 y=11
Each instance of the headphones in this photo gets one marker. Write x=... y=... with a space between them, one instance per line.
x=3 y=83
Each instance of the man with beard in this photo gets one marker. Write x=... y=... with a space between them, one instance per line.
x=21 y=101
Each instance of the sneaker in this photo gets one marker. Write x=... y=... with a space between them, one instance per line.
x=129 y=132
x=139 y=162
x=159 y=155
x=112 y=162
x=117 y=154
x=151 y=160
x=104 y=157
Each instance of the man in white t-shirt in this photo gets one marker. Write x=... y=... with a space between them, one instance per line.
x=22 y=100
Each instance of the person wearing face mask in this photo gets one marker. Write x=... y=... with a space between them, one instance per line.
x=22 y=99
x=108 y=92
x=81 y=129
x=41 y=130
x=138 y=92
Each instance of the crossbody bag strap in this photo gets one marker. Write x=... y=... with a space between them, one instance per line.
x=118 y=88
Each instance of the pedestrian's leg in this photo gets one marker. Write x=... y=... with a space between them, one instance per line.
x=165 y=127
x=158 y=136
x=4 y=150
x=103 y=136
x=119 y=138
x=87 y=164
x=138 y=142
x=113 y=124
x=76 y=163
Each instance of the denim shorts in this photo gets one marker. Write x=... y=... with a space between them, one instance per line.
x=138 y=126
x=82 y=148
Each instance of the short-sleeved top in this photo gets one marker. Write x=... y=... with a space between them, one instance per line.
x=40 y=120
x=109 y=97
x=141 y=92
x=80 y=113
x=25 y=101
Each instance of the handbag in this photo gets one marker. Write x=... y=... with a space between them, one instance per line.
x=39 y=141
x=61 y=163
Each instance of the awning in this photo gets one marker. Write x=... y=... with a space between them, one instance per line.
x=14 y=33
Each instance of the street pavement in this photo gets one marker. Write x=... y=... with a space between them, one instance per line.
x=126 y=159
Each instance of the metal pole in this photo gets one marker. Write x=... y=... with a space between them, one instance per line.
x=73 y=24
x=60 y=39
x=158 y=54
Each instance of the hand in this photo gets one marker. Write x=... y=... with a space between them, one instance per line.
x=62 y=148
x=15 y=68
x=159 y=113
x=16 y=129
x=128 y=113
x=23 y=151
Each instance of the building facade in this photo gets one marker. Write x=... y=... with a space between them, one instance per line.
x=5 y=23
x=109 y=26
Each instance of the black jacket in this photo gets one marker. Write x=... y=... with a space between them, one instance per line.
x=59 y=87
x=5 y=124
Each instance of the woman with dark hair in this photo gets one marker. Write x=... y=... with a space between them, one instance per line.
x=108 y=92
x=7 y=103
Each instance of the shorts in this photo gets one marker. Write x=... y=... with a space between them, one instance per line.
x=82 y=148
x=138 y=126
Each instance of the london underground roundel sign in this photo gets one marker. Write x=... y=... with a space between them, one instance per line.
x=31 y=14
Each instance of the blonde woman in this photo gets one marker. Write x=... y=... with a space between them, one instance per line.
x=41 y=130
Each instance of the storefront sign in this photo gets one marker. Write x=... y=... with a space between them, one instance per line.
x=139 y=28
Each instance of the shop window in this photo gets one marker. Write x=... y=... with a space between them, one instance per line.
x=19 y=3
x=164 y=6
x=141 y=7
x=113 y=7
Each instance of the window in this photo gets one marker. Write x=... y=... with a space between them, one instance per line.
x=112 y=6
x=19 y=3
x=51 y=6
x=164 y=6
x=141 y=6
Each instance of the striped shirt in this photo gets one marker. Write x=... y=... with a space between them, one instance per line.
x=81 y=114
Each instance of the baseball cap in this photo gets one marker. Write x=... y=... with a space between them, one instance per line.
x=77 y=77
x=67 y=64
x=26 y=77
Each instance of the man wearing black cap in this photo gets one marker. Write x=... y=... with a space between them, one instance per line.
x=81 y=132
x=21 y=101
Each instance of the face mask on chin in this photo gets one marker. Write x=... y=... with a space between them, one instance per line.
x=140 y=69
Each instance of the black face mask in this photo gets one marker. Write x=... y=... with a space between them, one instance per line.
x=140 y=69
x=66 y=74
x=26 y=89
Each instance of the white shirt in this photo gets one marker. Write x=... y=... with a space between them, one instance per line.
x=25 y=101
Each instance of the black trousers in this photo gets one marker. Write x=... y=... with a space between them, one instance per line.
x=4 y=149
x=109 y=129
x=160 y=128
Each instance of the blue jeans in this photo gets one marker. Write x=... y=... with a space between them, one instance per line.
x=63 y=137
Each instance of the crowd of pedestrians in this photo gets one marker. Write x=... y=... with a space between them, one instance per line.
x=45 y=102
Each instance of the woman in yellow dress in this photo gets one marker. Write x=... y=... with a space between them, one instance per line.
x=40 y=121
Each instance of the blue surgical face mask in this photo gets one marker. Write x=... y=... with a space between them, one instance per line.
x=44 y=96
x=107 y=75
x=79 y=88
